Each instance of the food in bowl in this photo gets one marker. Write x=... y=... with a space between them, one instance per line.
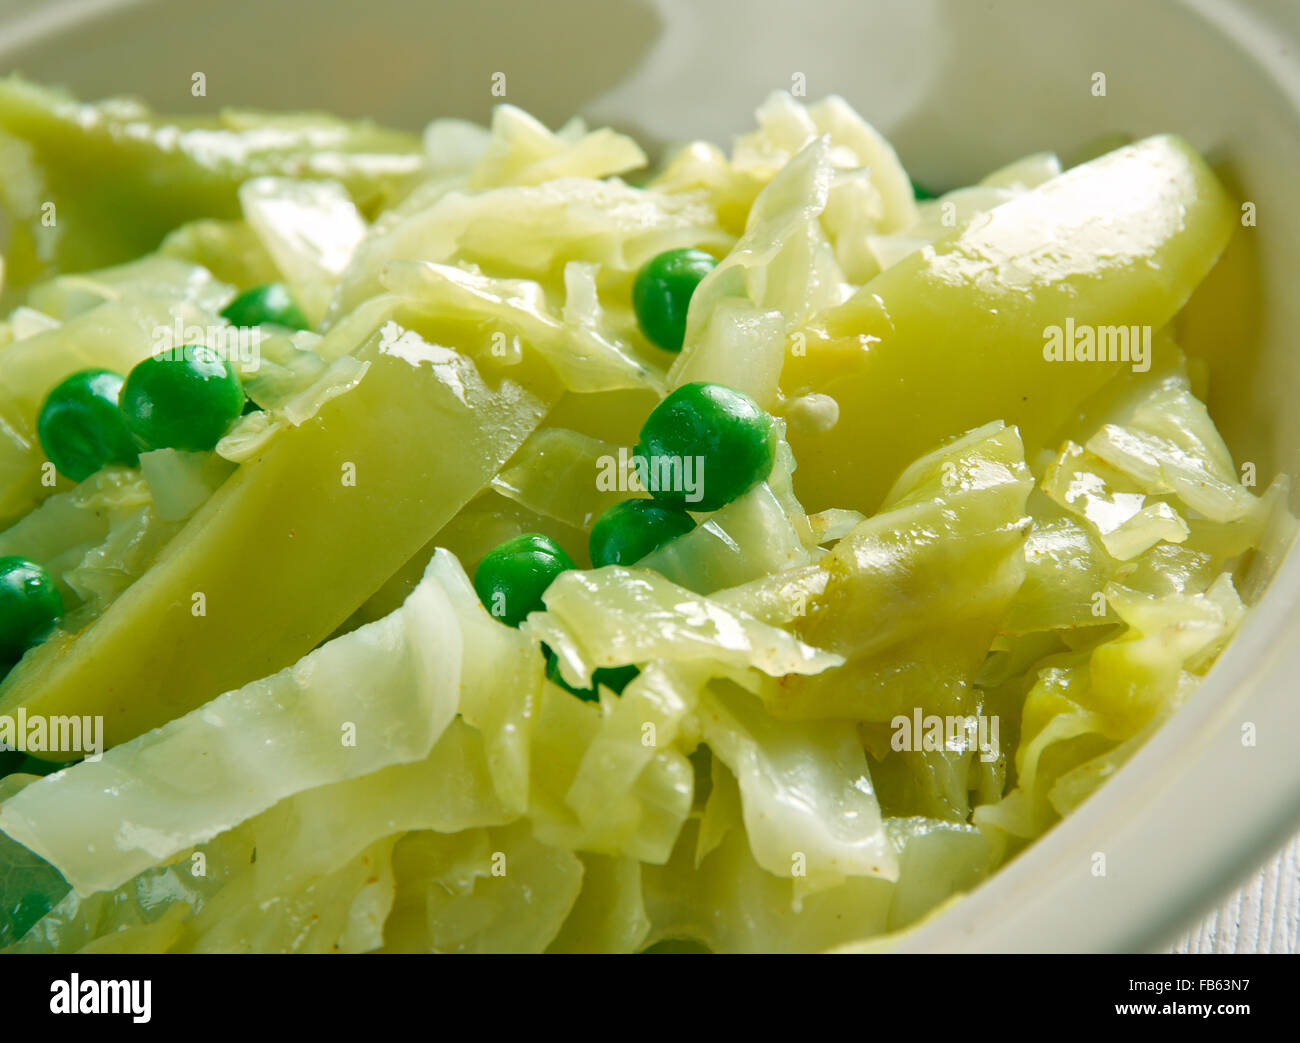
x=475 y=543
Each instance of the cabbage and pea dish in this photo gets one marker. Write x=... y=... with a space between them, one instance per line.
x=491 y=541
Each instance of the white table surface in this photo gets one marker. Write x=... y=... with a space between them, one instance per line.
x=1264 y=916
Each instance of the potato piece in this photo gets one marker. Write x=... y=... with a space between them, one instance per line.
x=953 y=336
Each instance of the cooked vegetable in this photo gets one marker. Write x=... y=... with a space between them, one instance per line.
x=630 y=530
x=123 y=177
x=29 y=887
x=907 y=589
x=183 y=402
x=662 y=293
x=920 y=192
x=613 y=678
x=511 y=579
x=1119 y=242
x=703 y=446
x=81 y=428
x=940 y=561
x=240 y=591
x=613 y=616
x=29 y=605
x=271 y=303
x=109 y=320
x=379 y=696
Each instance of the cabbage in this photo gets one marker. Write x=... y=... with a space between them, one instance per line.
x=613 y=616
x=1115 y=506
x=741 y=345
x=651 y=714
x=783 y=265
x=534 y=231
x=1064 y=568
x=452 y=147
x=868 y=190
x=1275 y=539
x=749 y=538
x=937 y=860
x=1087 y=712
x=1169 y=445
x=717 y=896
x=229 y=249
x=484 y=890
x=101 y=535
x=911 y=611
x=609 y=915
x=1149 y=471
x=310 y=229
x=729 y=904
x=521 y=151
x=252 y=433
x=1072 y=787
x=180 y=481
x=1139 y=670
x=501 y=682
x=644 y=822
x=1134 y=561
x=284 y=365
x=153 y=276
x=69 y=524
x=378 y=696
x=806 y=794
x=132 y=544
x=583 y=356
x=785 y=126
x=300 y=839
x=702 y=170
x=558 y=472
x=343 y=911
x=24 y=322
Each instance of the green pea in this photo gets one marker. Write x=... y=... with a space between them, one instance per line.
x=615 y=678
x=30 y=605
x=703 y=446
x=10 y=761
x=35 y=766
x=662 y=293
x=921 y=193
x=271 y=304
x=185 y=400
x=81 y=428
x=628 y=531
x=513 y=576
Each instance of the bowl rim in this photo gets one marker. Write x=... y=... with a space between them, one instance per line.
x=1047 y=898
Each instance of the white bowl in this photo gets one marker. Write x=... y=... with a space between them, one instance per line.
x=960 y=87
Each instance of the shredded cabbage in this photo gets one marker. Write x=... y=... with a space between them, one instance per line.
x=378 y=696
